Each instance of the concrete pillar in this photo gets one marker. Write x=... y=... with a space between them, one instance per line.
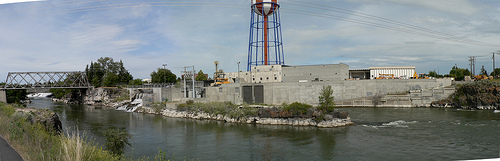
x=3 y=96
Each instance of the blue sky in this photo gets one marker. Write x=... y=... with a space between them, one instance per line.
x=66 y=35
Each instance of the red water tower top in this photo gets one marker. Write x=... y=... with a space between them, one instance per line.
x=265 y=7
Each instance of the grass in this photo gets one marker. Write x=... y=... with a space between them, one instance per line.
x=34 y=142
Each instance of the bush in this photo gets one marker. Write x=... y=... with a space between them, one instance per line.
x=159 y=107
x=116 y=140
x=297 y=109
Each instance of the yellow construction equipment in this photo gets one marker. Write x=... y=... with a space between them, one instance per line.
x=481 y=77
x=420 y=76
x=220 y=81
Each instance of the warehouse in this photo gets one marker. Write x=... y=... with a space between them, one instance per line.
x=397 y=72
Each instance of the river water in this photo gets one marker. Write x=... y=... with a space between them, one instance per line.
x=380 y=134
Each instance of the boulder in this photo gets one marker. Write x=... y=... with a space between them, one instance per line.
x=50 y=120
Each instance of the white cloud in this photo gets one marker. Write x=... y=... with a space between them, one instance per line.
x=17 y=1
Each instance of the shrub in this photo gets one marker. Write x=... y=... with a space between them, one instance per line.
x=159 y=106
x=116 y=140
x=297 y=108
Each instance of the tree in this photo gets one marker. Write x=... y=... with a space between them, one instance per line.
x=106 y=72
x=459 y=73
x=135 y=82
x=496 y=72
x=483 y=71
x=162 y=76
x=433 y=74
x=201 y=76
x=326 y=99
x=16 y=96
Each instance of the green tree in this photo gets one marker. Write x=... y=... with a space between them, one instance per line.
x=496 y=72
x=433 y=74
x=326 y=99
x=16 y=96
x=135 y=82
x=459 y=73
x=201 y=76
x=106 y=72
x=161 y=75
x=483 y=71
x=116 y=140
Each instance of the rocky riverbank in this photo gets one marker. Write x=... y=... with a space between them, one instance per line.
x=47 y=118
x=482 y=95
x=341 y=119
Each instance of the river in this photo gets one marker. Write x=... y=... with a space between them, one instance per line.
x=380 y=134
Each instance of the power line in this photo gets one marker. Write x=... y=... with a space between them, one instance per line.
x=382 y=23
x=383 y=26
x=128 y=5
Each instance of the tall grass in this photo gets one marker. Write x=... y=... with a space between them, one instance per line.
x=34 y=142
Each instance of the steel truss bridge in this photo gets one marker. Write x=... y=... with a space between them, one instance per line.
x=24 y=80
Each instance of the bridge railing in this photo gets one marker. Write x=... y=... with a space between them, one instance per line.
x=152 y=85
x=23 y=80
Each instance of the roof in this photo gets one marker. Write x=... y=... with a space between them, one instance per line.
x=394 y=67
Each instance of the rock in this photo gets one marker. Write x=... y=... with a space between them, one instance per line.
x=50 y=120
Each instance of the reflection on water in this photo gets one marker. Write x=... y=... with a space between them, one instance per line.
x=381 y=134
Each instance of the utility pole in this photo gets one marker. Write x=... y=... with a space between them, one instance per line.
x=164 y=74
x=238 y=72
x=472 y=64
x=184 y=78
x=493 y=57
x=193 y=81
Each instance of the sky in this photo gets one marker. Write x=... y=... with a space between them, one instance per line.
x=67 y=35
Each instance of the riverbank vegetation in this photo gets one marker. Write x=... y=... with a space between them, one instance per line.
x=34 y=142
x=483 y=94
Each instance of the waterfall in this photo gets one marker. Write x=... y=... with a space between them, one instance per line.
x=132 y=106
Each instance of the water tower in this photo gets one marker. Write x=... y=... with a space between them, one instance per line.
x=266 y=46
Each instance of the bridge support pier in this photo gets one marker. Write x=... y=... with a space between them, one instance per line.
x=3 y=96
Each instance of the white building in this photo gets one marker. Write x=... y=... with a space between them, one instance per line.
x=400 y=72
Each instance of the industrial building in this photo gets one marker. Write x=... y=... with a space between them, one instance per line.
x=289 y=74
x=398 y=72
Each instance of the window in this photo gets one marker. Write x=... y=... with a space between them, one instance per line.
x=275 y=78
x=220 y=89
x=267 y=78
x=236 y=89
x=260 y=78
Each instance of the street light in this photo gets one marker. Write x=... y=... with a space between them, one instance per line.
x=165 y=73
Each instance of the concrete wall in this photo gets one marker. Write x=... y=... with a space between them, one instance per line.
x=3 y=96
x=226 y=92
x=330 y=72
x=278 y=93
